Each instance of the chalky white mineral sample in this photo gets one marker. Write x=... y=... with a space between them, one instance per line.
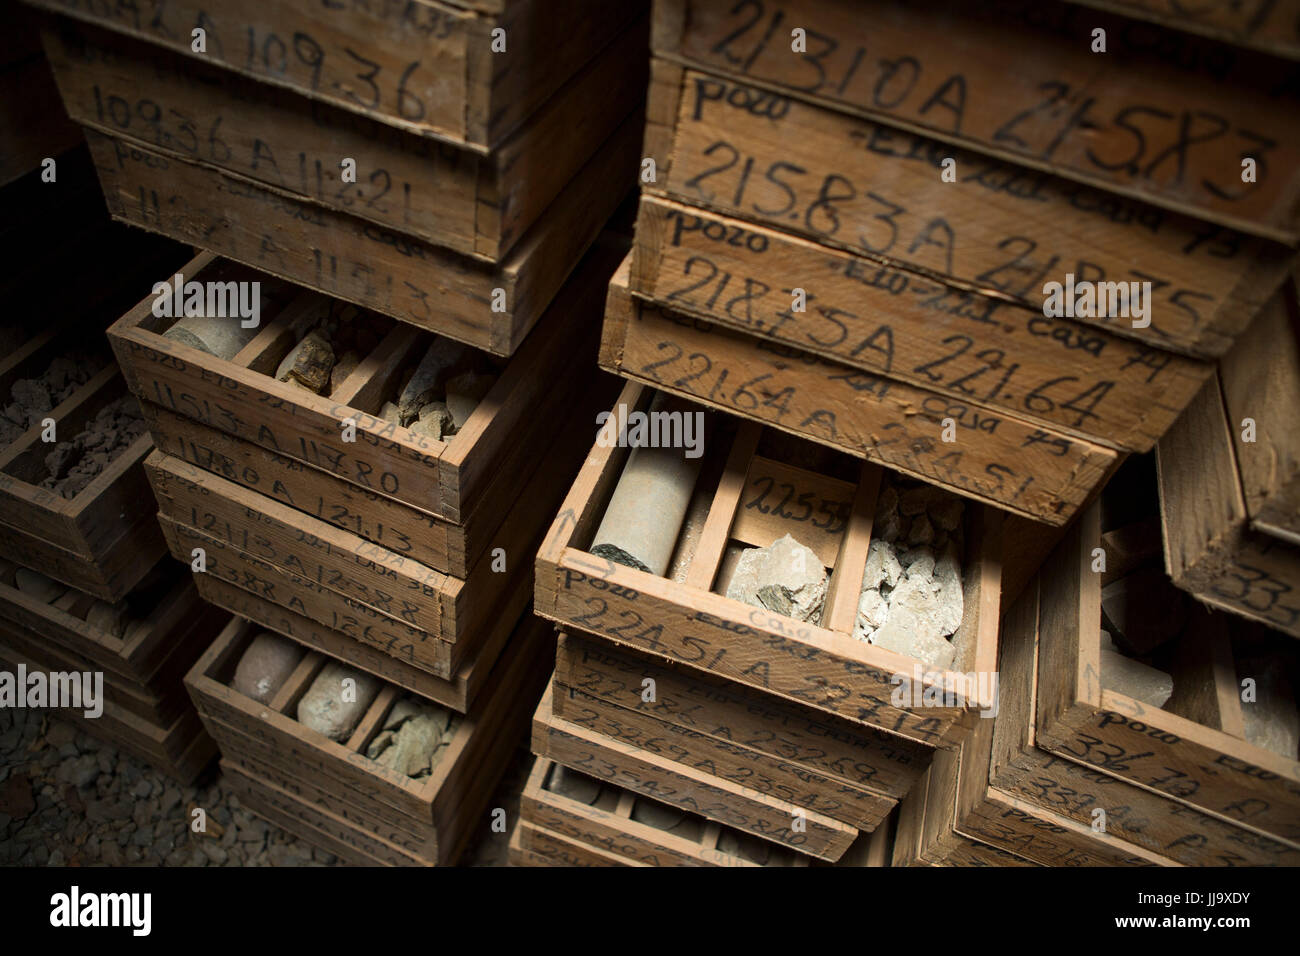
x=1132 y=678
x=265 y=666
x=786 y=577
x=911 y=599
x=333 y=708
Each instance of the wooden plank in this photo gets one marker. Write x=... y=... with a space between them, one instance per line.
x=345 y=257
x=796 y=660
x=1210 y=549
x=1260 y=378
x=724 y=759
x=471 y=480
x=691 y=843
x=310 y=599
x=413 y=594
x=1170 y=128
x=426 y=67
x=885 y=321
x=701 y=793
x=856 y=756
x=997 y=458
x=1266 y=25
x=1199 y=766
x=473 y=204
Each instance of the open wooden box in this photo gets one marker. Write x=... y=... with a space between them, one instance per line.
x=1003 y=790
x=1229 y=506
x=607 y=826
x=103 y=540
x=1193 y=749
x=818 y=666
x=179 y=748
x=454 y=493
x=426 y=821
x=144 y=666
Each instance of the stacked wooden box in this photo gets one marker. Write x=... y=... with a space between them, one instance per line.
x=1074 y=771
x=84 y=586
x=571 y=819
x=445 y=164
x=793 y=732
x=918 y=196
x=1230 y=477
x=314 y=517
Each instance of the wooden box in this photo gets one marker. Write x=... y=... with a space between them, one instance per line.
x=978 y=352
x=489 y=306
x=456 y=198
x=939 y=844
x=256 y=591
x=809 y=745
x=821 y=667
x=417 y=821
x=1193 y=749
x=144 y=665
x=1003 y=790
x=725 y=761
x=1026 y=84
x=1032 y=471
x=427 y=67
x=455 y=493
x=432 y=607
x=1229 y=473
x=1269 y=27
x=648 y=773
x=103 y=540
x=181 y=749
x=1260 y=382
x=607 y=827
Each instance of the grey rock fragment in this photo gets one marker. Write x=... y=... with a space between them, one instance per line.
x=1135 y=679
x=786 y=577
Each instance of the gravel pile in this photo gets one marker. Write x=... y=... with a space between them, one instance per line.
x=67 y=799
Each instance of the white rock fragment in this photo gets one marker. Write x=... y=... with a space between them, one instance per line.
x=916 y=623
x=882 y=566
x=265 y=666
x=440 y=361
x=328 y=709
x=787 y=577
